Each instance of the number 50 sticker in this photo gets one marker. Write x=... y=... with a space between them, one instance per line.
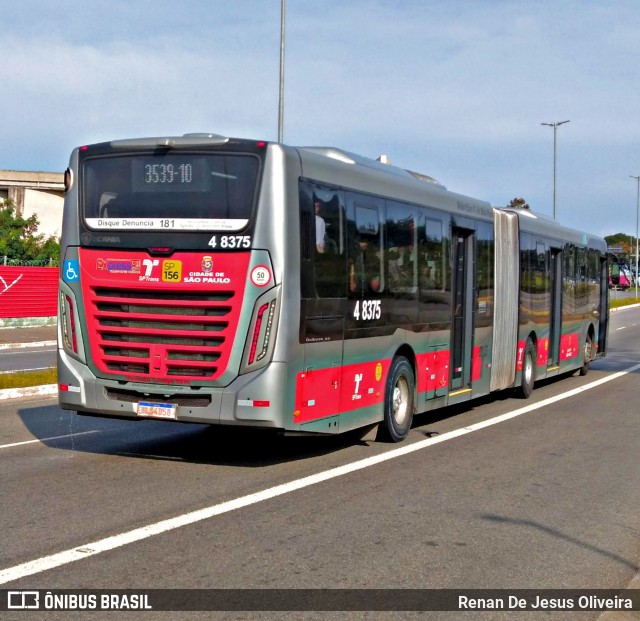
x=260 y=275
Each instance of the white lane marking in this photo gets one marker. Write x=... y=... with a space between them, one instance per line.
x=68 y=435
x=25 y=370
x=138 y=534
x=622 y=328
x=22 y=351
x=28 y=345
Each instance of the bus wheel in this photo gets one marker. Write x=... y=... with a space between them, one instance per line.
x=528 y=369
x=398 y=401
x=588 y=348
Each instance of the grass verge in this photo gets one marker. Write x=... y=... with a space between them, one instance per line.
x=23 y=379
x=617 y=303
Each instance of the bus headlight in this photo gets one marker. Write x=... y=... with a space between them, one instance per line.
x=69 y=326
x=262 y=332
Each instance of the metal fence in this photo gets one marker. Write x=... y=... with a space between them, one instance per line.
x=50 y=262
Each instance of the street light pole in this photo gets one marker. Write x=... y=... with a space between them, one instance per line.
x=555 y=126
x=281 y=97
x=635 y=278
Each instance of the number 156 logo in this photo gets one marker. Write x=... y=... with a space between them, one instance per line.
x=172 y=271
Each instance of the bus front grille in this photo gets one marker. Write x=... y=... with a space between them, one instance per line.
x=154 y=334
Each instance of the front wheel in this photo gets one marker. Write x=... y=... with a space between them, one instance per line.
x=398 y=401
x=528 y=369
x=588 y=348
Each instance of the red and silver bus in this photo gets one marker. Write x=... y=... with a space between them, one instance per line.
x=216 y=280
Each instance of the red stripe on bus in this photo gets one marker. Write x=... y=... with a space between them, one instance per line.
x=433 y=370
x=327 y=392
x=569 y=348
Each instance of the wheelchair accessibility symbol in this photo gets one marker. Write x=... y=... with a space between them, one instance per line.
x=71 y=271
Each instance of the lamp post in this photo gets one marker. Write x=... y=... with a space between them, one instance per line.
x=635 y=278
x=555 y=126
x=281 y=97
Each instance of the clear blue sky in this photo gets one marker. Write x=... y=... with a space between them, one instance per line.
x=454 y=89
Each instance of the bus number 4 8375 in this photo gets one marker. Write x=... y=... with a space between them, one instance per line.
x=370 y=309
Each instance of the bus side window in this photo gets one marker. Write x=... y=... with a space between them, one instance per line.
x=434 y=269
x=329 y=221
x=323 y=259
x=329 y=255
x=433 y=256
x=485 y=276
x=307 y=236
x=365 y=274
x=569 y=282
x=400 y=249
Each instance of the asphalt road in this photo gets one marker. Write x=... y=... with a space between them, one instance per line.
x=546 y=498
x=30 y=358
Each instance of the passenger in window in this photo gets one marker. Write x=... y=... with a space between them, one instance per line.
x=427 y=280
x=364 y=268
x=321 y=227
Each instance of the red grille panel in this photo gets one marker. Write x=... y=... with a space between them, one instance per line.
x=144 y=328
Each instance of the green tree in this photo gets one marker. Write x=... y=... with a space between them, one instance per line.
x=621 y=240
x=518 y=203
x=19 y=239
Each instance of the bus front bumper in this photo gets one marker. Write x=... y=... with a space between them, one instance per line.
x=256 y=399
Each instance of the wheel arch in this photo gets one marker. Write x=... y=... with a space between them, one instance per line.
x=407 y=352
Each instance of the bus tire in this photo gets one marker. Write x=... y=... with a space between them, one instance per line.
x=588 y=348
x=398 y=401
x=528 y=369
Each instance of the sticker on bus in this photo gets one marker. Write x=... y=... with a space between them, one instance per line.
x=71 y=270
x=260 y=275
x=168 y=224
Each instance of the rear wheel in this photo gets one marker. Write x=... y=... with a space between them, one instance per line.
x=398 y=401
x=528 y=369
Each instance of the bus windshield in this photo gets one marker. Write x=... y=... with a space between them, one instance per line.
x=158 y=190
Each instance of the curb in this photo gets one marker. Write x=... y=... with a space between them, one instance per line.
x=5 y=346
x=28 y=322
x=619 y=308
x=44 y=390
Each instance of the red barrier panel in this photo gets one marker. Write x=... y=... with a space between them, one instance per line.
x=28 y=291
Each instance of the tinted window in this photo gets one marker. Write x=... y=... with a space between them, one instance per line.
x=196 y=191
x=364 y=247
x=401 y=250
x=434 y=268
x=322 y=225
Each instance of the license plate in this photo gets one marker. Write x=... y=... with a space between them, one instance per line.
x=157 y=410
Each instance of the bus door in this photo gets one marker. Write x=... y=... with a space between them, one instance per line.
x=323 y=278
x=555 y=322
x=603 y=305
x=320 y=382
x=463 y=249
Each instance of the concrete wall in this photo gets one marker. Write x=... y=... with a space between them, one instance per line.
x=47 y=206
x=40 y=193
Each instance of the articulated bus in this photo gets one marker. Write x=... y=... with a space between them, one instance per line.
x=216 y=280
